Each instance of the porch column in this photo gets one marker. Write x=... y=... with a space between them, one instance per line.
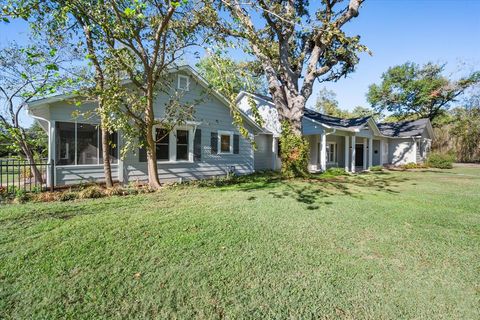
x=323 y=152
x=370 y=152
x=365 y=146
x=347 y=153
x=352 y=165
x=381 y=152
x=120 y=166
x=51 y=150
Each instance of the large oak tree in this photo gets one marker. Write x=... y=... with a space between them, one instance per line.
x=296 y=43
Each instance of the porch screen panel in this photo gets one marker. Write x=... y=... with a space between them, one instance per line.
x=113 y=150
x=65 y=143
x=87 y=144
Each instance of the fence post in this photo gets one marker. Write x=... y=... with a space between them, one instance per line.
x=52 y=175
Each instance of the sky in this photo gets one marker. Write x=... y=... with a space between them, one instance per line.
x=396 y=31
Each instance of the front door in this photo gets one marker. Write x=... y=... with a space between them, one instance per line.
x=359 y=155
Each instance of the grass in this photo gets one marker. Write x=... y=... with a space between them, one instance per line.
x=385 y=245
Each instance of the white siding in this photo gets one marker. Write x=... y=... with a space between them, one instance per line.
x=401 y=151
x=263 y=155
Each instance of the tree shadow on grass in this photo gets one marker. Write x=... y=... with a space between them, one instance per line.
x=315 y=190
x=60 y=211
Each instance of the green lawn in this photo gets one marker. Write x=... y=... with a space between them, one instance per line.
x=379 y=246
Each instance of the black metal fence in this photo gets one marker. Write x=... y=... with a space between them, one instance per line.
x=18 y=174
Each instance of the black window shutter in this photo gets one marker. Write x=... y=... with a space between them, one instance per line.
x=236 y=143
x=214 y=142
x=142 y=154
x=197 y=145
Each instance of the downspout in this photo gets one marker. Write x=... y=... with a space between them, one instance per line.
x=29 y=113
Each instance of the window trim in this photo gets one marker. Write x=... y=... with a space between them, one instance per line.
x=76 y=165
x=173 y=144
x=187 y=78
x=219 y=142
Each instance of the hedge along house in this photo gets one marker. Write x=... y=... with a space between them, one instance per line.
x=354 y=144
x=206 y=147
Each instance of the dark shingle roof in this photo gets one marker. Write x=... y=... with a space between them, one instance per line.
x=391 y=129
x=353 y=123
x=334 y=122
x=400 y=129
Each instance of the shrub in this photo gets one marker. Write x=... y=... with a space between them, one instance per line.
x=68 y=195
x=376 y=168
x=335 y=172
x=21 y=196
x=115 y=191
x=440 y=161
x=91 y=192
x=294 y=153
x=410 y=165
x=46 y=197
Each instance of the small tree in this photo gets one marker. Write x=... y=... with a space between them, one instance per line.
x=295 y=46
x=61 y=20
x=414 y=91
x=137 y=40
x=327 y=104
x=26 y=73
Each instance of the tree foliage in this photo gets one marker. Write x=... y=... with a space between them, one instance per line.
x=229 y=77
x=417 y=91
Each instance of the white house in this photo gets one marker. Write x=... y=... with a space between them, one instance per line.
x=353 y=144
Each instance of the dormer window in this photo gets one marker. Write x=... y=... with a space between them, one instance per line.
x=183 y=83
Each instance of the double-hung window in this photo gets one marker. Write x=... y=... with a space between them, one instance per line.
x=225 y=141
x=174 y=145
x=331 y=152
x=80 y=144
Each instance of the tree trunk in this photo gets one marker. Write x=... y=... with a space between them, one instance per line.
x=37 y=175
x=153 y=180
x=107 y=169
x=295 y=149
x=99 y=84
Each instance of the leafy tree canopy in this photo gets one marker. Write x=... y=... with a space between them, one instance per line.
x=417 y=91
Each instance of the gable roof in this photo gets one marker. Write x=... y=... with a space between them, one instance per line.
x=404 y=129
x=185 y=68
